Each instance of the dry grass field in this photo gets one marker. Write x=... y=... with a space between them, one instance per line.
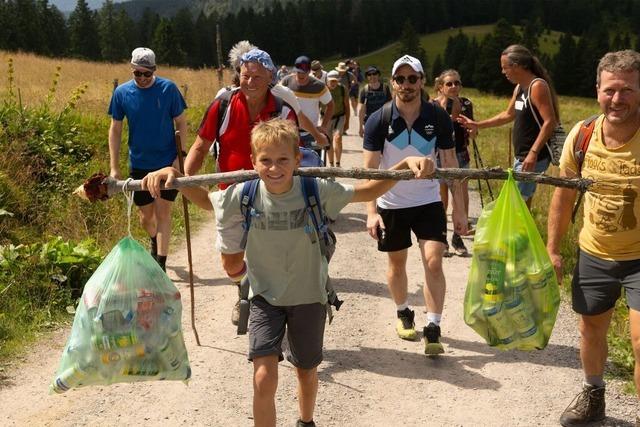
x=34 y=76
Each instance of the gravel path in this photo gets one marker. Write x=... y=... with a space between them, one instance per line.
x=368 y=377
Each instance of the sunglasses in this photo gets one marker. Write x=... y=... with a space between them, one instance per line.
x=455 y=83
x=413 y=79
x=371 y=74
x=143 y=73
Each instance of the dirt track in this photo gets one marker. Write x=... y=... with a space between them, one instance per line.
x=368 y=377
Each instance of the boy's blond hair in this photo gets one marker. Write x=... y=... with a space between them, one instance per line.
x=275 y=132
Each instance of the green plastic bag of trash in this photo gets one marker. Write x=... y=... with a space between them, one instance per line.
x=127 y=326
x=512 y=295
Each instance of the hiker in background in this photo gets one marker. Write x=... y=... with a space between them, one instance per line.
x=251 y=103
x=533 y=94
x=354 y=68
x=412 y=206
x=346 y=78
x=311 y=93
x=340 y=120
x=447 y=86
x=609 y=248
x=318 y=71
x=154 y=109
x=282 y=72
x=373 y=95
x=279 y=91
x=287 y=270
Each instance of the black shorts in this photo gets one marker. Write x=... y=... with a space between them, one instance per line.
x=428 y=222
x=143 y=198
x=304 y=325
x=597 y=283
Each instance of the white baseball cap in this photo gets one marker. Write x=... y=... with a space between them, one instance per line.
x=333 y=75
x=410 y=61
x=143 y=57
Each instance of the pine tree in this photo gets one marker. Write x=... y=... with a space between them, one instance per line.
x=53 y=27
x=111 y=38
x=83 y=37
x=487 y=75
x=410 y=45
x=166 y=46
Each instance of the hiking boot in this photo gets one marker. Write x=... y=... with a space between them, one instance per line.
x=588 y=406
x=235 y=313
x=405 y=325
x=432 y=345
x=458 y=245
x=301 y=423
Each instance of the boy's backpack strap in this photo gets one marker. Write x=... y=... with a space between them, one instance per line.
x=314 y=210
x=580 y=147
x=247 y=198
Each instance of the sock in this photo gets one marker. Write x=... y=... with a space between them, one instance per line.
x=236 y=278
x=162 y=260
x=403 y=306
x=434 y=318
x=594 y=380
x=154 y=246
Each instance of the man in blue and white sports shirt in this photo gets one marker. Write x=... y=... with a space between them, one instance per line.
x=414 y=128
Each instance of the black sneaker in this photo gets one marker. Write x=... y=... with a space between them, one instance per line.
x=458 y=245
x=432 y=344
x=447 y=253
x=405 y=326
x=301 y=423
x=587 y=407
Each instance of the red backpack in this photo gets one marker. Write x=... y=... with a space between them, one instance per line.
x=580 y=147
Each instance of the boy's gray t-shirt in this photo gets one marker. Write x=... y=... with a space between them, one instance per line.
x=284 y=262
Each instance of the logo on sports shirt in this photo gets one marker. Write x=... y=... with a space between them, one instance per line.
x=429 y=130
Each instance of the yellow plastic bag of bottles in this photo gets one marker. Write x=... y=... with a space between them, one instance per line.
x=512 y=295
x=127 y=326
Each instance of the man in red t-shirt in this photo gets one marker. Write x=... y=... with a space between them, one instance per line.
x=252 y=103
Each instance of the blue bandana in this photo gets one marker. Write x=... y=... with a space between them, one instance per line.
x=261 y=57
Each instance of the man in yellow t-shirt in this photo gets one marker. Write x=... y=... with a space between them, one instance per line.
x=609 y=242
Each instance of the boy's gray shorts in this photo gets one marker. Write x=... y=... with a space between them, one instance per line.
x=597 y=282
x=304 y=325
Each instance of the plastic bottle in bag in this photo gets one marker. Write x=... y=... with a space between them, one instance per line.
x=71 y=377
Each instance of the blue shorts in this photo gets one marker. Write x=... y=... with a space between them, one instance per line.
x=527 y=188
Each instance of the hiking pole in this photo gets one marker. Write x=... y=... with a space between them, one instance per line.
x=187 y=228
x=476 y=152
x=475 y=158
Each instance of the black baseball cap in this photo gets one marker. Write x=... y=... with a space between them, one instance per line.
x=302 y=64
x=371 y=69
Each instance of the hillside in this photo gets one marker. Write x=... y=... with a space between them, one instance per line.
x=435 y=43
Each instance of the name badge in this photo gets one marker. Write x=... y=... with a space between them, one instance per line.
x=519 y=105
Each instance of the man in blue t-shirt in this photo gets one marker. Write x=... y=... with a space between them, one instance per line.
x=414 y=128
x=154 y=108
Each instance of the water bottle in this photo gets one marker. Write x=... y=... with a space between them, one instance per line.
x=141 y=368
x=520 y=315
x=71 y=377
